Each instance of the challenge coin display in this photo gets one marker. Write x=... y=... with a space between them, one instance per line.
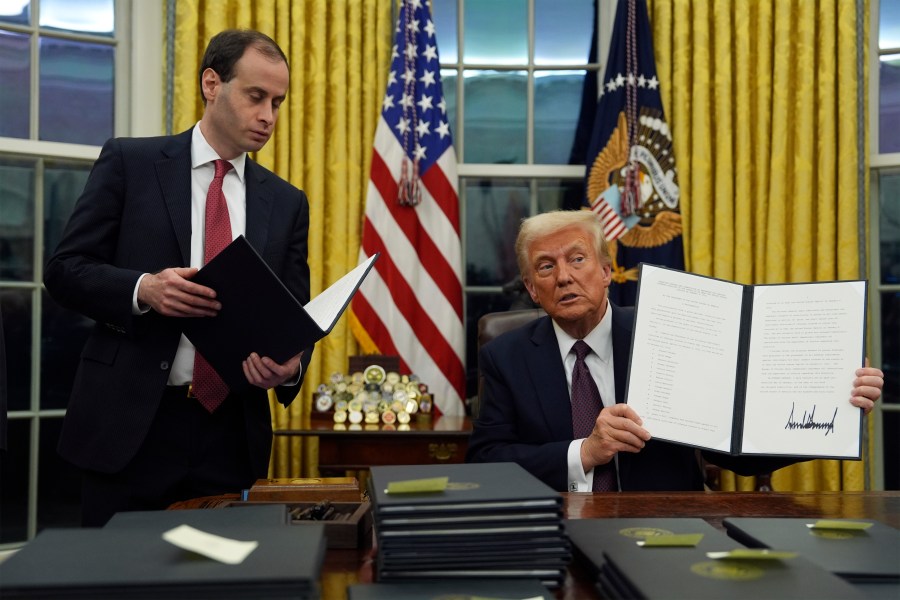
x=374 y=397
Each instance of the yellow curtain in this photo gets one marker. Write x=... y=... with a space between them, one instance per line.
x=761 y=97
x=339 y=55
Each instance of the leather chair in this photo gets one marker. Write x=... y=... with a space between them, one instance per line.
x=493 y=324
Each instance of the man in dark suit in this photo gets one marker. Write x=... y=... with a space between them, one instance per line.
x=142 y=435
x=526 y=414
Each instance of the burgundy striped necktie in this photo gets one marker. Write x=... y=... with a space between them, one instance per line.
x=208 y=387
x=586 y=405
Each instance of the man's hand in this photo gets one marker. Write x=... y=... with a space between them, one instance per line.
x=618 y=429
x=171 y=293
x=266 y=373
x=867 y=387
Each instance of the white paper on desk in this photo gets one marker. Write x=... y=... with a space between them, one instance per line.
x=222 y=549
x=330 y=304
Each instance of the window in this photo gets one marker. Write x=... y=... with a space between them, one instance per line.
x=513 y=74
x=65 y=91
x=884 y=275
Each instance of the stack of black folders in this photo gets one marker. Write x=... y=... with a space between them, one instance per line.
x=681 y=567
x=128 y=558
x=864 y=552
x=491 y=521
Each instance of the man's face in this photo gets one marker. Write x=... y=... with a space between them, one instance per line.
x=568 y=280
x=240 y=115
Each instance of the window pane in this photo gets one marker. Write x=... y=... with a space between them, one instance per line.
x=15 y=93
x=494 y=113
x=496 y=32
x=448 y=86
x=14 y=475
x=76 y=92
x=889 y=209
x=59 y=483
x=15 y=306
x=889 y=104
x=560 y=195
x=562 y=31
x=889 y=24
x=557 y=102
x=84 y=16
x=494 y=209
x=63 y=184
x=63 y=334
x=17 y=224
x=443 y=13
x=15 y=11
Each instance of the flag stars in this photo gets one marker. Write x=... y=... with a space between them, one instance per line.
x=430 y=52
x=425 y=102
x=416 y=4
x=631 y=79
x=423 y=128
x=620 y=80
x=429 y=28
x=443 y=129
x=388 y=102
x=413 y=26
x=411 y=51
x=427 y=78
x=420 y=152
x=394 y=53
x=402 y=125
x=443 y=106
x=409 y=76
x=392 y=78
x=407 y=101
x=611 y=85
x=642 y=81
x=653 y=83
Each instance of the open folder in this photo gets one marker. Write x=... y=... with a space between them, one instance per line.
x=259 y=314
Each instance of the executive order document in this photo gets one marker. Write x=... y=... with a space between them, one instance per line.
x=763 y=369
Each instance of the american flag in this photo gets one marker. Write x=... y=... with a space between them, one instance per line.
x=411 y=304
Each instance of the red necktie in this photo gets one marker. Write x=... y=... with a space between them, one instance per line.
x=586 y=405
x=207 y=386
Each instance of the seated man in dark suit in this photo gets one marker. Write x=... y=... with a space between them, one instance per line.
x=556 y=406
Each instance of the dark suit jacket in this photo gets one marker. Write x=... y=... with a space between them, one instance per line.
x=526 y=416
x=134 y=217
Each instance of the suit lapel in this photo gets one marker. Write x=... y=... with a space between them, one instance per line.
x=548 y=375
x=174 y=175
x=259 y=205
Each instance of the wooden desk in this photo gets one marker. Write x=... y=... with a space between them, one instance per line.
x=345 y=447
x=346 y=567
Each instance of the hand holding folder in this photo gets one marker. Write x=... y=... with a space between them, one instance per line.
x=259 y=314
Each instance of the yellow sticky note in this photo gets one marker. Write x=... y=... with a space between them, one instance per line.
x=417 y=486
x=673 y=540
x=752 y=554
x=837 y=524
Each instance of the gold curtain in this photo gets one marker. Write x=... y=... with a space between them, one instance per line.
x=761 y=97
x=339 y=55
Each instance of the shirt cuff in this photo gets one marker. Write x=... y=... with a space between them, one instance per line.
x=136 y=307
x=578 y=480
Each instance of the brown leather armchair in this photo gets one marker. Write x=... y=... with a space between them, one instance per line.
x=493 y=324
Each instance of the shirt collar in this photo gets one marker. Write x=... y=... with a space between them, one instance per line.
x=202 y=153
x=599 y=339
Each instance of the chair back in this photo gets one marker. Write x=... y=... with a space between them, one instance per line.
x=493 y=324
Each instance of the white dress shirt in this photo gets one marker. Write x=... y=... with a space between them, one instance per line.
x=600 y=364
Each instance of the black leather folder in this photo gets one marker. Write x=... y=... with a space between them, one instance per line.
x=259 y=314
x=872 y=554
x=138 y=563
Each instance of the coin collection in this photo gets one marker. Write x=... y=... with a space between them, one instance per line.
x=373 y=396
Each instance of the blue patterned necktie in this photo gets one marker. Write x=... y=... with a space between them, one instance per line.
x=586 y=405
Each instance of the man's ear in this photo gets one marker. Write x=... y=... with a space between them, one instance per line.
x=211 y=83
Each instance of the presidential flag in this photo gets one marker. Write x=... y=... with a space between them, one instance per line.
x=411 y=304
x=632 y=181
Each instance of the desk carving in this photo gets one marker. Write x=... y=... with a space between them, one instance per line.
x=442 y=452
